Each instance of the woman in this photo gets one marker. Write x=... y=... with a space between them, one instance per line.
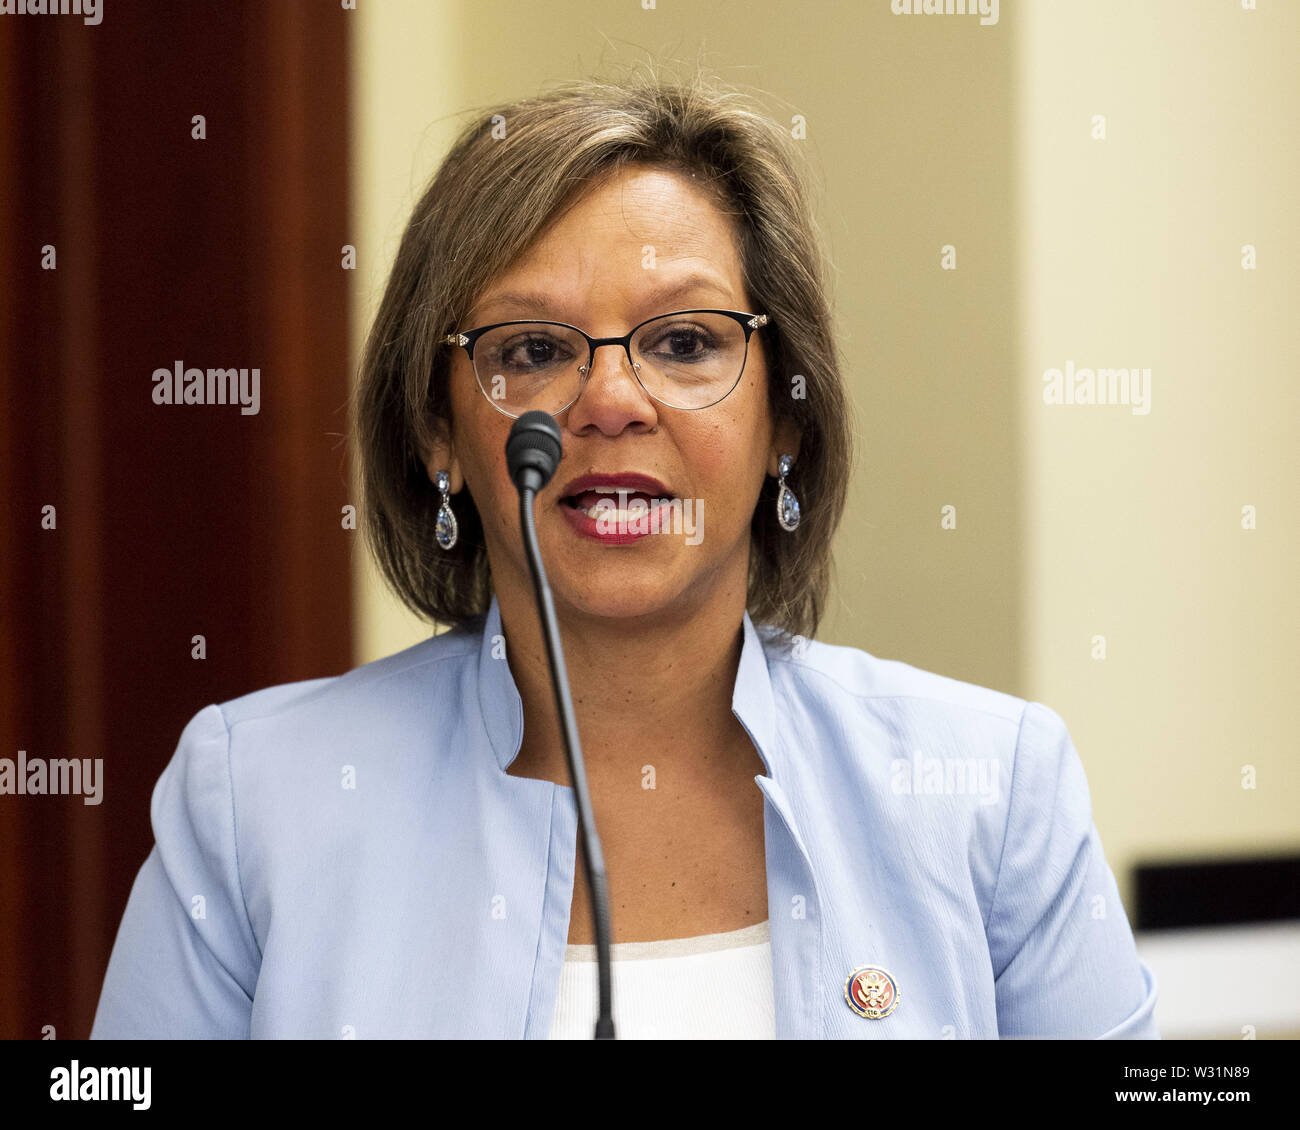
x=801 y=840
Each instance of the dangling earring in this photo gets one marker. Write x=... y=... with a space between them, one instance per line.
x=787 y=506
x=445 y=529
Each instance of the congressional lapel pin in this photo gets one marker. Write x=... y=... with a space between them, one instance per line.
x=871 y=992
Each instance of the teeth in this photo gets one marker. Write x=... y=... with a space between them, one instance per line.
x=612 y=515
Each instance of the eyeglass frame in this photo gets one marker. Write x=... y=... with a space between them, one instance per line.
x=466 y=338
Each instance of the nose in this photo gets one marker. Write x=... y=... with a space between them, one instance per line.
x=611 y=398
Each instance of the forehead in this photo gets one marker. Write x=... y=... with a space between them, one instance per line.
x=642 y=201
x=637 y=239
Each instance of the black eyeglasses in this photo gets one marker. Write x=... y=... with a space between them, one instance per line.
x=690 y=359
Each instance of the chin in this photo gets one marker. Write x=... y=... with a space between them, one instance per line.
x=621 y=591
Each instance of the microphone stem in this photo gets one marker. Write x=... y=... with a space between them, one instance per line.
x=593 y=860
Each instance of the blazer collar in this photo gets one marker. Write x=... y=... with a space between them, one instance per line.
x=503 y=711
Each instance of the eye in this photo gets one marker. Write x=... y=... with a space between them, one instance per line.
x=530 y=351
x=681 y=342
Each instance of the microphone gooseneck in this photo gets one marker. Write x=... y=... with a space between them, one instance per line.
x=533 y=452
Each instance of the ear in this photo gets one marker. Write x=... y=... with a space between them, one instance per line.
x=785 y=441
x=442 y=457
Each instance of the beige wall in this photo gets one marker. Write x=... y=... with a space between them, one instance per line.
x=408 y=90
x=1130 y=255
x=1072 y=521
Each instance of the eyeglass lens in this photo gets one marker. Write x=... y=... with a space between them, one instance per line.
x=689 y=360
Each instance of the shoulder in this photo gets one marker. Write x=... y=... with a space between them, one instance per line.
x=267 y=761
x=432 y=661
x=276 y=734
x=878 y=714
x=856 y=680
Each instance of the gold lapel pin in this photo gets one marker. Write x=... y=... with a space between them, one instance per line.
x=871 y=992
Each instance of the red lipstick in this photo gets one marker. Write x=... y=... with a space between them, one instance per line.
x=610 y=493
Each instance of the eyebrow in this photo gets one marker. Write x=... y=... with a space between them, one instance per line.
x=537 y=304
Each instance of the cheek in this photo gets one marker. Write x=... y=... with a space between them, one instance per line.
x=480 y=434
x=728 y=445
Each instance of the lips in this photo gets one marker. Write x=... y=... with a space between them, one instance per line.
x=597 y=505
x=620 y=488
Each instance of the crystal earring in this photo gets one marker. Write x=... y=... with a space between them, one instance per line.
x=787 y=506
x=445 y=530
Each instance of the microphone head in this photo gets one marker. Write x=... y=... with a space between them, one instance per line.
x=533 y=449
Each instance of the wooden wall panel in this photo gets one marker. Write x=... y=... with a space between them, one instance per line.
x=172 y=521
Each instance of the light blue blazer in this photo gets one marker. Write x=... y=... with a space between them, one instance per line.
x=349 y=857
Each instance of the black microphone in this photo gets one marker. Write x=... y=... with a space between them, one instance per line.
x=533 y=452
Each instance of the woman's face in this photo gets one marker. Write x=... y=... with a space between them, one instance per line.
x=643 y=242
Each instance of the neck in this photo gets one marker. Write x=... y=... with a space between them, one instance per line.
x=647 y=690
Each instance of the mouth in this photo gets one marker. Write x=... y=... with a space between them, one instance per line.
x=617 y=508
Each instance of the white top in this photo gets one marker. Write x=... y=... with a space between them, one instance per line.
x=712 y=987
